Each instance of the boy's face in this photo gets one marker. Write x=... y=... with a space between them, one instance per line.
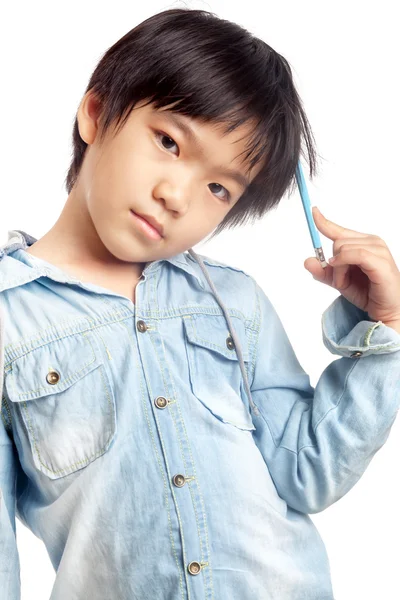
x=151 y=168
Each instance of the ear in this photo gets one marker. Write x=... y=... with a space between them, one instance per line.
x=88 y=116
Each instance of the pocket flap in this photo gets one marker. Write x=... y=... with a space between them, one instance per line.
x=211 y=331
x=52 y=368
x=216 y=381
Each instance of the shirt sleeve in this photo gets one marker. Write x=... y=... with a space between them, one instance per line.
x=10 y=584
x=317 y=442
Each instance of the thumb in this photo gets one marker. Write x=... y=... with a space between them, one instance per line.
x=313 y=266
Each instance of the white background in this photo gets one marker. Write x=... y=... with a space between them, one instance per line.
x=344 y=57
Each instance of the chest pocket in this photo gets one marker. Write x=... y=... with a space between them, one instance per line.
x=66 y=406
x=215 y=375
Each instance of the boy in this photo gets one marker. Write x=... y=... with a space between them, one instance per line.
x=158 y=432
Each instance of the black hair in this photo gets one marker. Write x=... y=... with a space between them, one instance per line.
x=216 y=71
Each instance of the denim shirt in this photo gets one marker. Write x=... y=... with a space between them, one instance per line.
x=173 y=448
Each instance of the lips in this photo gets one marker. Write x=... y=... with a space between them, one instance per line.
x=151 y=221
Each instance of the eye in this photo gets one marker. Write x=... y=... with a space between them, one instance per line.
x=159 y=135
x=227 y=195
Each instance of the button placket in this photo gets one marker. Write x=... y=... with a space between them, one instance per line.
x=179 y=479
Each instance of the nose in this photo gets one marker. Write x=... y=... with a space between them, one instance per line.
x=176 y=194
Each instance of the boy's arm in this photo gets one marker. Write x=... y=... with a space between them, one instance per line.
x=10 y=584
x=318 y=442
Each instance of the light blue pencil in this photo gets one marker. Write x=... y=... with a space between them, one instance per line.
x=319 y=253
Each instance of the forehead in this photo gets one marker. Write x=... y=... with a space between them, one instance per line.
x=189 y=124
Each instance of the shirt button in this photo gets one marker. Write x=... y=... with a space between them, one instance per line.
x=161 y=402
x=355 y=354
x=52 y=377
x=141 y=325
x=179 y=480
x=229 y=343
x=194 y=568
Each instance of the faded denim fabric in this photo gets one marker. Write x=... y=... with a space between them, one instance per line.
x=130 y=446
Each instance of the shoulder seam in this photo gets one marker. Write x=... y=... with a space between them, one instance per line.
x=214 y=263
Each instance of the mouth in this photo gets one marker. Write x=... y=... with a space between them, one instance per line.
x=149 y=224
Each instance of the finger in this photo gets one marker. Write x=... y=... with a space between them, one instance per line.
x=377 y=249
x=371 y=264
x=340 y=277
x=324 y=275
x=332 y=230
x=341 y=274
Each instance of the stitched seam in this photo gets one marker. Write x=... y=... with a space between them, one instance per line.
x=106 y=348
x=257 y=329
x=371 y=347
x=251 y=335
x=369 y=333
x=191 y=309
x=170 y=314
x=43 y=332
x=4 y=421
x=7 y=408
x=61 y=337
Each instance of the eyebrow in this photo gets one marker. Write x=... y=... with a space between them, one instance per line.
x=188 y=132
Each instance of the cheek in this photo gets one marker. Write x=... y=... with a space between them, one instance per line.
x=119 y=182
x=208 y=217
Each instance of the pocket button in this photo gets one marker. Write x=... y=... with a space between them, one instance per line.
x=230 y=343
x=52 y=377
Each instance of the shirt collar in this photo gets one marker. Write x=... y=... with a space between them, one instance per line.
x=20 y=239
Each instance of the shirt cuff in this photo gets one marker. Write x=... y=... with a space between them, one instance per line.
x=348 y=331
